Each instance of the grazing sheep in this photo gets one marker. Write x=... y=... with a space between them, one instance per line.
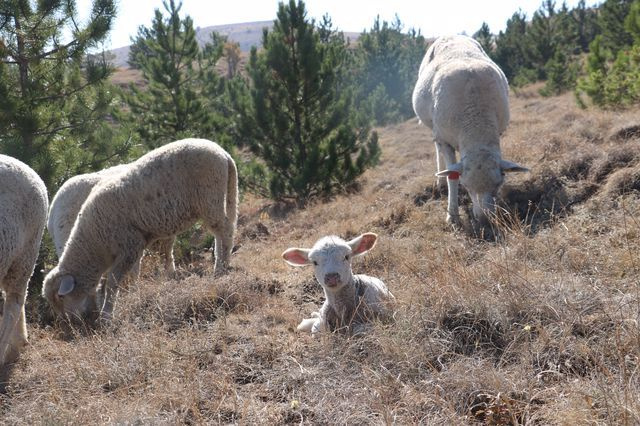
x=463 y=97
x=66 y=205
x=350 y=300
x=159 y=195
x=23 y=212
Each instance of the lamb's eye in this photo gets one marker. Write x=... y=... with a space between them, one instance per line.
x=315 y=263
x=346 y=257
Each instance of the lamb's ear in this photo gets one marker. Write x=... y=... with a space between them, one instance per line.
x=511 y=167
x=453 y=170
x=67 y=284
x=363 y=243
x=296 y=256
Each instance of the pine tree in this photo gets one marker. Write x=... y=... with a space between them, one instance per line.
x=55 y=101
x=386 y=65
x=540 y=37
x=169 y=106
x=485 y=38
x=565 y=33
x=632 y=22
x=586 y=22
x=511 y=47
x=611 y=22
x=298 y=124
x=561 y=74
x=612 y=74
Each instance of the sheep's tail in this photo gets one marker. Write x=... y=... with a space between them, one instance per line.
x=232 y=190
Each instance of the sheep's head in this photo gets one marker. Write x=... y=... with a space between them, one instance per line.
x=68 y=299
x=482 y=174
x=331 y=257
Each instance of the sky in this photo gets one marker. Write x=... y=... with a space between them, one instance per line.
x=433 y=18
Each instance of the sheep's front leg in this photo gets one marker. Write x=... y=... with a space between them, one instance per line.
x=120 y=270
x=13 y=331
x=165 y=246
x=442 y=165
x=445 y=150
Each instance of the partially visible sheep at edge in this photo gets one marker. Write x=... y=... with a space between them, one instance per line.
x=161 y=194
x=66 y=205
x=23 y=212
x=351 y=301
x=463 y=96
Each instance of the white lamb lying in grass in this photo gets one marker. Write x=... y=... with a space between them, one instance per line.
x=350 y=300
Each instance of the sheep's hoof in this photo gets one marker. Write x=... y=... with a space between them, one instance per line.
x=104 y=319
x=454 y=221
x=9 y=354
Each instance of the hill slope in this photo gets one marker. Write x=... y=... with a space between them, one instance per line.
x=539 y=327
x=247 y=34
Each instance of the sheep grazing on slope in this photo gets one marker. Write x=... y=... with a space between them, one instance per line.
x=23 y=212
x=66 y=205
x=350 y=300
x=463 y=97
x=159 y=195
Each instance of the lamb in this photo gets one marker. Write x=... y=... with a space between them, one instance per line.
x=350 y=300
x=23 y=212
x=463 y=96
x=66 y=205
x=159 y=195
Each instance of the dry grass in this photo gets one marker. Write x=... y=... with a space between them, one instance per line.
x=539 y=327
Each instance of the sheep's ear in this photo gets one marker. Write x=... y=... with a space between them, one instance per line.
x=363 y=243
x=296 y=256
x=67 y=284
x=511 y=167
x=453 y=170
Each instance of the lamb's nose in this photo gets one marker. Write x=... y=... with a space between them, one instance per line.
x=332 y=279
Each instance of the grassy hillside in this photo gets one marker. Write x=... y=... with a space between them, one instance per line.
x=542 y=326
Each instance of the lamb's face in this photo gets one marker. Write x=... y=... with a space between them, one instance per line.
x=331 y=258
x=67 y=299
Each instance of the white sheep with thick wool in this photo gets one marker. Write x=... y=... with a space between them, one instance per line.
x=463 y=96
x=23 y=213
x=351 y=301
x=66 y=205
x=161 y=194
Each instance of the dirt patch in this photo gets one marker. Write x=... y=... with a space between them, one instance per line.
x=255 y=231
x=497 y=409
x=392 y=222
x=471 y=333
x=555 y=363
